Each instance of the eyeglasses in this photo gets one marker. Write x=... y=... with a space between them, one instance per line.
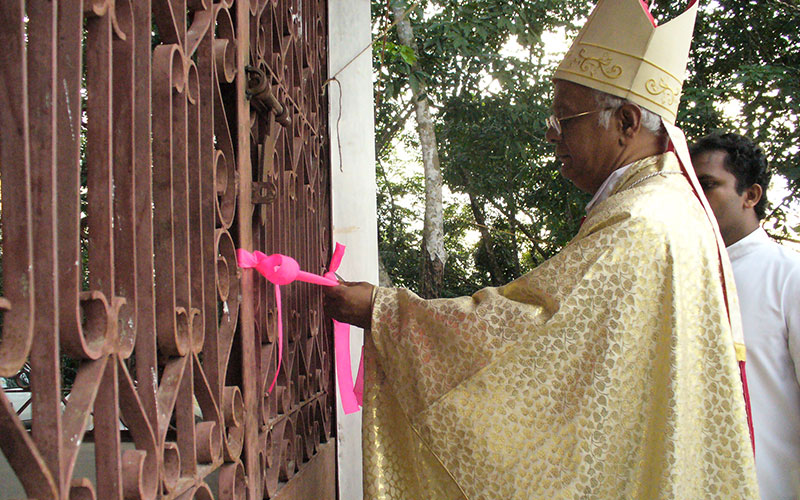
x=554 y=122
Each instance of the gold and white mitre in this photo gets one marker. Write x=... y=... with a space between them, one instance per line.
x=622 y=52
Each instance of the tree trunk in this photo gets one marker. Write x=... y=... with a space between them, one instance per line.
x=433 y=252
x=495 y=273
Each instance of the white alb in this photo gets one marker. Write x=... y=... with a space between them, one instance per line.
x=768 y=283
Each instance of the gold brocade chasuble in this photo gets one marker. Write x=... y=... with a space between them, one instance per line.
x=609 y=371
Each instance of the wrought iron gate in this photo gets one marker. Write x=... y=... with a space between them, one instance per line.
x=141 y=142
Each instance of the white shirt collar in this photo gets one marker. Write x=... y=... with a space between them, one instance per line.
x=748 y=243
x=607 y=187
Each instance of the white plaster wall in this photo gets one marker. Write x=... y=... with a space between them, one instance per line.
x=353 y=184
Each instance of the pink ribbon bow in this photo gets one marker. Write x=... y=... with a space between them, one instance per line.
x=282 y=270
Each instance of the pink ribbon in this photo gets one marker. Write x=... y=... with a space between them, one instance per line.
x=282 y=270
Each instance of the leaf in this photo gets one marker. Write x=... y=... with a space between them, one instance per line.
x=491 y=105
x=408 y=55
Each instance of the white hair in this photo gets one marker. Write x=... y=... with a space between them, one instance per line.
x=650 y=120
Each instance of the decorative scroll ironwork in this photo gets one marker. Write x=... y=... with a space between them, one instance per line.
x=136 y=154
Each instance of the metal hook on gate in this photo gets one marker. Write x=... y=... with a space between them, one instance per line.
x=259 y=93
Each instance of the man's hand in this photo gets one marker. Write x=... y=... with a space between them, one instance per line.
x=349 y=303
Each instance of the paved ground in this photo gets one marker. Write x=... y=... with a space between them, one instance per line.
x=10 y=487
x=84 y=467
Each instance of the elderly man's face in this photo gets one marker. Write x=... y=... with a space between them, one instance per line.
x=587 y=151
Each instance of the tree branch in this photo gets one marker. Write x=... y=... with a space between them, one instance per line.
x=391 y=131
x=495 y=272
x=534 y=241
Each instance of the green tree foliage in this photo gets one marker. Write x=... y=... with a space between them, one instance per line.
x=748 y=52
x=399 y=204
x=494 y=152
x=493 y=155
x=484 y=66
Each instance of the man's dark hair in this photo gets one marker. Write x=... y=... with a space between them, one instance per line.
x=744 y=160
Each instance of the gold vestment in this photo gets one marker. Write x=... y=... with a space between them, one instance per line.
x=609 y=371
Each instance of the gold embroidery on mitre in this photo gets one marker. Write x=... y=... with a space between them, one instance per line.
x=626 y=36
x=604 y=63
x=668 y=95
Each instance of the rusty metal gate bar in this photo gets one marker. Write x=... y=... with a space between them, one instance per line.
x=141 y=143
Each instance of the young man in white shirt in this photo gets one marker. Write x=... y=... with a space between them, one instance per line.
x=734 y=176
